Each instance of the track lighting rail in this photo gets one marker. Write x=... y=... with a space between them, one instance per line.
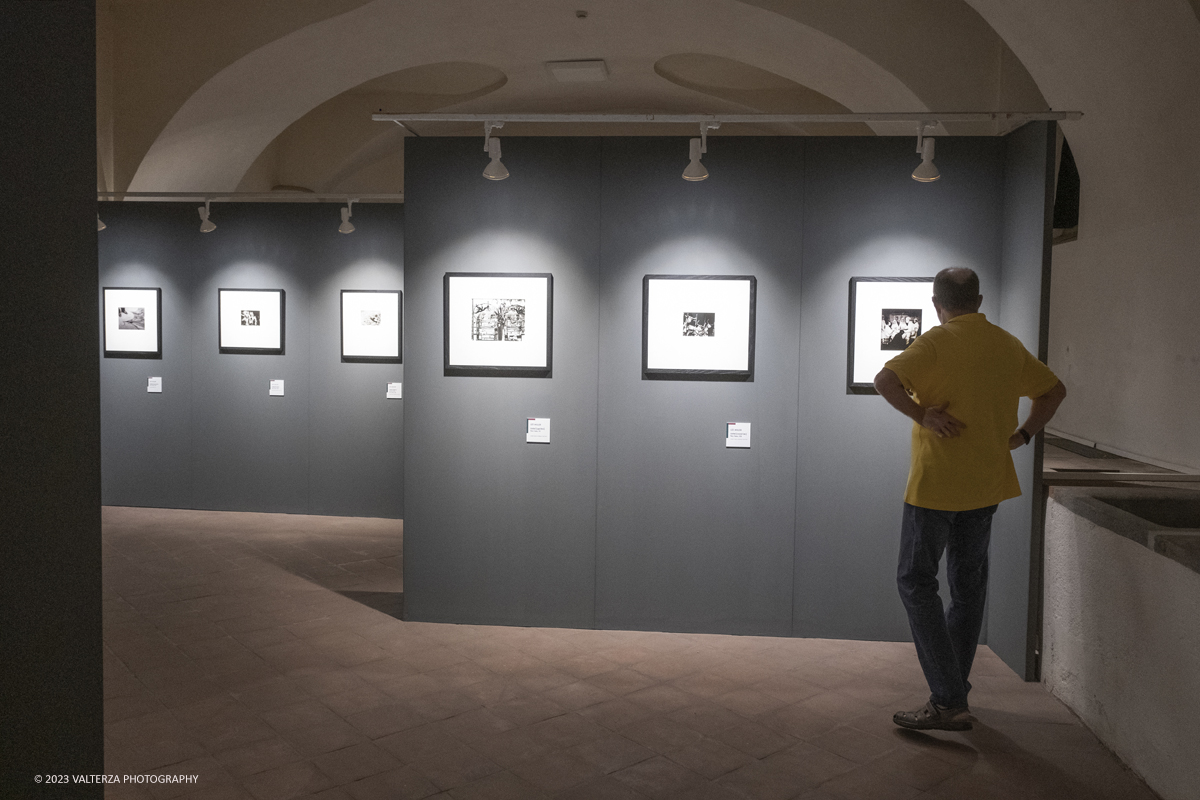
x=1010 y=119
x=256 y=197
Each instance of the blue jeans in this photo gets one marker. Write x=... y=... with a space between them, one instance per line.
x=945 y=638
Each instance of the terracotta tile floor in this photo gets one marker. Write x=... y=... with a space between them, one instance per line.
x=230 y=654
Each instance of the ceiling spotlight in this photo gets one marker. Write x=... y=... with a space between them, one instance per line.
x=695 y=170
x=346 y=227
x=926 y=171
x=206 y=224
x=100 y=223
x=495 y=171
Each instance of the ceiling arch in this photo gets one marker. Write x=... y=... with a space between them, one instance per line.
x=1131 y=69
x=221 y=129
x=945 y=51
x=152 y=55
x=330 y=147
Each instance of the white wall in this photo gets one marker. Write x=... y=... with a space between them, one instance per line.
x=1123 y=335
x=1121 y=647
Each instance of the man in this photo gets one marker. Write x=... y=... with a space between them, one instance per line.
x=965 y=378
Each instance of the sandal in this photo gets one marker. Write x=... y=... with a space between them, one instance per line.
x=933 y=717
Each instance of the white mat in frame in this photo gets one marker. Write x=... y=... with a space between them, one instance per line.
x=250 y=321
x=698 y=327
x=372 y=325
x=880 y=306
x=498 y=323
x=132 y=322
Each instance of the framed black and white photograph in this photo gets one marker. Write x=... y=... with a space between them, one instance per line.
x=698 y=327
x=886 y=316
x=250 y=321
x=371 y=326
x=498 y=323
x=132 y=322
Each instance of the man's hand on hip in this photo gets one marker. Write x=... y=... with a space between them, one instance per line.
x=935 y=418
x=944 y=425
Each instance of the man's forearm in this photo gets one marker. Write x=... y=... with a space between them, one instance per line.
x=1043 y=408
x=888 y=384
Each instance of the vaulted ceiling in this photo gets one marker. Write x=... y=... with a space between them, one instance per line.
x=198 y=95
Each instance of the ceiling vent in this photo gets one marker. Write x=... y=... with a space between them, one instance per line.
x=577 y=71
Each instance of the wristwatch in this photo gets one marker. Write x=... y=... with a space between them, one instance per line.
x=1024 y=434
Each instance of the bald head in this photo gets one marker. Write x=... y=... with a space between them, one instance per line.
x=956 y=290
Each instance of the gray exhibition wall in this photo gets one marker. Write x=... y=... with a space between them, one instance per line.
x=691 y=535
x=505 y=530
x=214 y=438
x=865 y=217
x=636 y=515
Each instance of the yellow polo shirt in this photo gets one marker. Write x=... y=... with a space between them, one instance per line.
x=979 y=370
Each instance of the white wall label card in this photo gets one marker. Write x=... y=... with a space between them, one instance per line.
x=737 y=434
x=154 y=385
x=537 y=430
x=395 y=391
x=276 y=388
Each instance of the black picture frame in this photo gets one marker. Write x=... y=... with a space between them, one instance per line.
x=660 y=374
x=115 y=353
x=853 y=387
x=399 y=357
x=497 y=371
x=253 y=351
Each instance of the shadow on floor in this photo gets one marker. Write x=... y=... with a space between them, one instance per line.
x=390 y=603
x=992 y=763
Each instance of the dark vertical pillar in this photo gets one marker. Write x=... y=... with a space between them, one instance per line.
x=1014 y=610
x=51 y=719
